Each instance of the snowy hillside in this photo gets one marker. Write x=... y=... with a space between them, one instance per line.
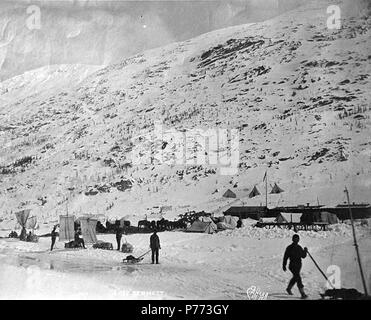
x=297 y=92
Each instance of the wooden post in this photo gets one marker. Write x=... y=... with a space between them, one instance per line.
x=355 y=243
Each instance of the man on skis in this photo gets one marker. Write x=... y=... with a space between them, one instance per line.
x=295 y=253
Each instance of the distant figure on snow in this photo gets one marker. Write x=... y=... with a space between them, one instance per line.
x=155 y=246
x=118 y=236
x=295 y=253
x=239 y=223
x=54 y=237
x=79 y=240
x=23 y=235
x=29 y=237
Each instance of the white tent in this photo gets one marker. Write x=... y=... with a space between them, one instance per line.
x=31 y=223
x=88 y=229
x=268 y=220
x=202 y=227
x=66 y=228
x=22 y=216
x=287 y=217
x=228 y=222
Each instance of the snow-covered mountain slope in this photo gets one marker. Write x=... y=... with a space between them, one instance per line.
x=43 y=80
x=297 y=92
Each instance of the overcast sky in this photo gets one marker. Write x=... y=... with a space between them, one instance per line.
x=102 y=31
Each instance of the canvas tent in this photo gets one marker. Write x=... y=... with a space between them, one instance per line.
x=66 y=228
x=254 y=192
x=22 y=217
x=205 y=219
x=88 y=229
x=289 y=217
x=324 y=216
x=227 y=222
x=202 y=227
x=276 y=189
x=329 y=218
x=268 y=220
x=229 y=194
x=31 y=223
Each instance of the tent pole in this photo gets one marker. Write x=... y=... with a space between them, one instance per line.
x=355 y=244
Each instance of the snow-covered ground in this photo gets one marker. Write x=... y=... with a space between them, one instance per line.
x=192 y=266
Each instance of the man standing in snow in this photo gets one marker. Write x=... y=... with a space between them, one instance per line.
x=155 y=246
x=118 y=237
x=54 y=237
x=79 y=240
x=239 y=223
x=295 y=253
x=23 y=235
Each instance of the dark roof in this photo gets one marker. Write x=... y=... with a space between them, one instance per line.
x=354 y=205
x=245 y=209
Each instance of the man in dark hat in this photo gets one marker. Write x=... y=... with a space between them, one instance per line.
x=155 y=246
x=295 y=253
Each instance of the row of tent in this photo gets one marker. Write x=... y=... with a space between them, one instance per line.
x=66 y=226
x=254 y=192
x=207 y=225
x=288 y=217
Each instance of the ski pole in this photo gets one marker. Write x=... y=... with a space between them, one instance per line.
x=314 y=261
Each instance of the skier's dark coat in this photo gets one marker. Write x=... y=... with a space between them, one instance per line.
x=155 y=242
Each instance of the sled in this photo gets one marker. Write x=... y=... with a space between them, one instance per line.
x=132 y=260
x=103 y=245
x=73 y=245
x=343 y=294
